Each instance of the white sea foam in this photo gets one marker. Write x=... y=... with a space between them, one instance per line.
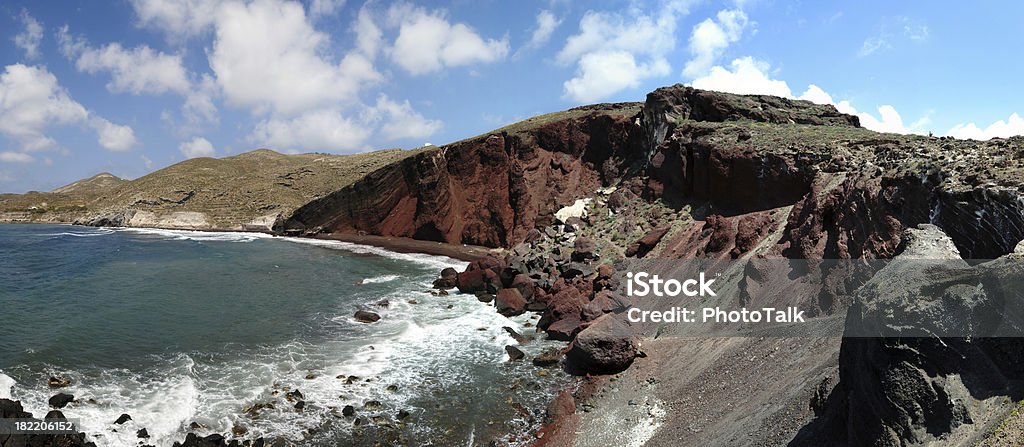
x=192 y=235
x=379 y=279
x=436 y=261
x=6 y=384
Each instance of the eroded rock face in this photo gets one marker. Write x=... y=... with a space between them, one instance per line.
x=909 y=390
x=489 y=190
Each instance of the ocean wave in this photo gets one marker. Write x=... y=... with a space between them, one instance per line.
x=435 y=261
x=379 y=279
x=202 y=236
x=83 y=232
x=6 y=384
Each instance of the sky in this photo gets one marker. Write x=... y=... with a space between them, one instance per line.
x=131 y=86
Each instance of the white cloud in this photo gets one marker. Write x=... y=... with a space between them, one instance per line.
x=614 y=51
x=317 y=130
x=177 y=18
x=711 y=37
x=368 y=34
x=136 y=70
x=15 y=157
x=31 y=101
x=749 y=76
x=324 y=8
x=603 y=72
x=113 y=137
x=197 y=147
x=403 y=122
x=546 y=24
x=746 y=77
x=1014 y=125
x=427 y=42
x=30 y=38
x=281 y=71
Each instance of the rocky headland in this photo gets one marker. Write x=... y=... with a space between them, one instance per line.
x=567 y=202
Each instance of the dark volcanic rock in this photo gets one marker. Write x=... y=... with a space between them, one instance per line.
x=514 y=353
x=564 y=329
x=479 y=280
x=510 y=302
x=364 y=316
x=606 y=346
x=122 y=419
x=61 y=400
x=13 y=409
x=58 y=382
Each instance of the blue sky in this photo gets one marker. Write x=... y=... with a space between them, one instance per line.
x=131 y=86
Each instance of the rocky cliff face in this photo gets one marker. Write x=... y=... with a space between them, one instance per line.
x=488 y=190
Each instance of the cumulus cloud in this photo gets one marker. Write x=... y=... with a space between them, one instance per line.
x=711 y=37
x=317 y=130
x=30 y=37
x=614 y=51
x=427 y=42
x=284 y=71
x=133 y=70
x=1014 y=125
x=197 y=147
x=748 y=76
x=610 y=71
x=31 y=101
x=177 y=18
x=15 y=157
x=402 y=122
x=546 y=24
x=113 y=137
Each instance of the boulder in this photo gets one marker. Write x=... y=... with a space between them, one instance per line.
x=563 y=405
x=604 y=302
x=514 y=353
x=484 y=297
x=55 y=414
x=647 y=243
x=584 y=249
x=58 y=382
x=519 y=338
x=525 y=285
x=510 y=302
x=348 y=411
x=364 y=316
x=479 y=280
x=122 y=419
x=606 y=346
x=61 y=400
x=564 y=329
x=142 y=434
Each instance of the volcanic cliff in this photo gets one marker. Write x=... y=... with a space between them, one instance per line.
x=575 y=197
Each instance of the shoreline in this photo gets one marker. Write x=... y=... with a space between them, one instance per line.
x=466 y=253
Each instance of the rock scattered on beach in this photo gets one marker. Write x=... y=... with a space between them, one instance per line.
x=58 y=382
x=514 y=353
x=122 y=419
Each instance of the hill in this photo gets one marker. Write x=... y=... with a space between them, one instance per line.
x=245 y=191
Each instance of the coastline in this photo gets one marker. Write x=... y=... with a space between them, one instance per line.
x=466 y=253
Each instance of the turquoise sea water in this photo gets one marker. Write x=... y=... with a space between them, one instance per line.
x=175 y=327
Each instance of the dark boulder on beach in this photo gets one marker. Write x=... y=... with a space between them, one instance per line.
x=449 y=279
x=364 y=316
x=61 y=400
x=510 y=302
x=549 y=357
x=142 y=434
x=122 y=419
x=606 y=346
x=10 y=409
x=348 y=411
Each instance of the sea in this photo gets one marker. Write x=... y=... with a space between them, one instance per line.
x=214 y=332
